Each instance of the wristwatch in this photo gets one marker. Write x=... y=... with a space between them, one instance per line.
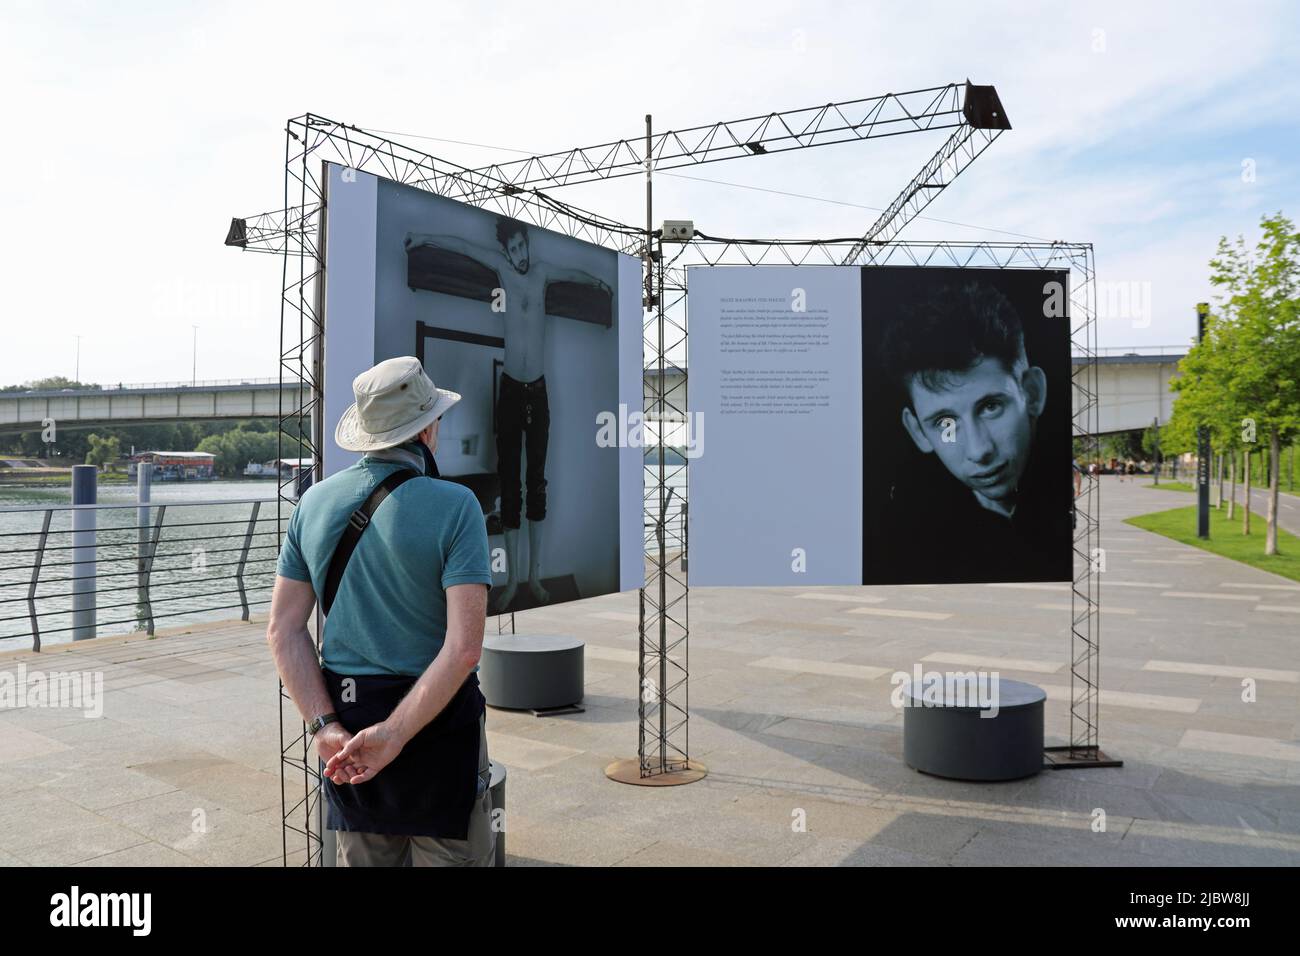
x=318 y=722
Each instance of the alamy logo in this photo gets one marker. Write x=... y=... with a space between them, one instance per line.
x=628 y=429
x=102 y=909
x=975 y=689
x=81 y=690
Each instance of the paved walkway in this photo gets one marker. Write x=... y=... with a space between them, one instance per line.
x=790 y=711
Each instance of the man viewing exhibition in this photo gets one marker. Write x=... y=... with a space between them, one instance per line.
x=393 y=704
x=970 y=397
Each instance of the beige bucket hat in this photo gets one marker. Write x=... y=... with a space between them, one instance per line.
x=395 y=401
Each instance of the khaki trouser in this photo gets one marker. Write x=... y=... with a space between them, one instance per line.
x=383 y=849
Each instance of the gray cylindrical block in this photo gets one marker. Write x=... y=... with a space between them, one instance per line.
x=955 y=741
x=497 y=786
x=82 y=572
x=531 y=671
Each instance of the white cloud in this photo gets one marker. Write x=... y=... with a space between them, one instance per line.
x=135 y=133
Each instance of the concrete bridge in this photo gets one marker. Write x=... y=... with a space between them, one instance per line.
x=152 y=402
x=1132 y=384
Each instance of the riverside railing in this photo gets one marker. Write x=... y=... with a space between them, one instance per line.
x=80 y=571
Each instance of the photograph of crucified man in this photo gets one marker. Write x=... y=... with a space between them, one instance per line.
x=523 y=413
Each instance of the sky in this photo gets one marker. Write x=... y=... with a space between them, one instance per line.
x=136 y=130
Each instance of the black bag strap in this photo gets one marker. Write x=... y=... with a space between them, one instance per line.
x=358 y=521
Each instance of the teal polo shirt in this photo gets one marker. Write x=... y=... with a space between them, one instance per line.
x=390 y=613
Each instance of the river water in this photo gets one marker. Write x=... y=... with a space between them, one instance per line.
x=193 y=577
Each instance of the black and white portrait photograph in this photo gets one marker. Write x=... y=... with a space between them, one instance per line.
x=522 y=323
x=966 y=426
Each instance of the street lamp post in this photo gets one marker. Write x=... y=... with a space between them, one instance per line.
x=1202 y=447
x=1155 y=428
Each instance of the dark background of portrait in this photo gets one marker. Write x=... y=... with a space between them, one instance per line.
x=899 y=481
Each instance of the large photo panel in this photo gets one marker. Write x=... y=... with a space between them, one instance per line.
x=775 y=361
x=540 y=334
x=880 y=425
x=966 y=438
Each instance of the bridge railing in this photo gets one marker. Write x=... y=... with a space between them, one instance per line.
x=1159 y=350
x=69 y=572
x=140 y=386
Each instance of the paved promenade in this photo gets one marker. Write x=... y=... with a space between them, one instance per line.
x=790 y=712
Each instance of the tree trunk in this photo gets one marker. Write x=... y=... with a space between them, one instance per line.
x=1232 y=477
x=1218 y=496
x=1245 y=517
x=1274 y=473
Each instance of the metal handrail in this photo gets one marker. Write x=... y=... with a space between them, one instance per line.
x=74 y=547
x=132 y=504
x=119 y=574
x=54 y=578
x=127 y=527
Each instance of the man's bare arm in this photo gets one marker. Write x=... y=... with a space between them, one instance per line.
x=466 y=615
x=296 y=660
x=292 y=647
x=489 y=256
x=577 y=276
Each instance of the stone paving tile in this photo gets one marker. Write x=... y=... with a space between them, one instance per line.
x=17 y=744
x=100 y=788
x=193 y=824
x=44 y=829
x=74 y=847
x=991 y=849
x=86 y=731
x=526 y=754
x=848 y=852
x=143 y=854
x=673 y=853
x=570 y=842
x=190 y=725
x=222 y=782
x=1194 y=846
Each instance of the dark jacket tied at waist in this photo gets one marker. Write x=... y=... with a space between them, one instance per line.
x=429 y=789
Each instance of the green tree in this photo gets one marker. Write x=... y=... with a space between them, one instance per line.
x=236 y=447
x=1245 y=377
x=1263 y=301
x=102 y=451
x=1204 y=399
x=48 y=383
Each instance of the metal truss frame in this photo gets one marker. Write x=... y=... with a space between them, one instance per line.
x=875 y=117
x=1085 y=598
x=663 y=669
x=961 y=149
x=295 y=232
